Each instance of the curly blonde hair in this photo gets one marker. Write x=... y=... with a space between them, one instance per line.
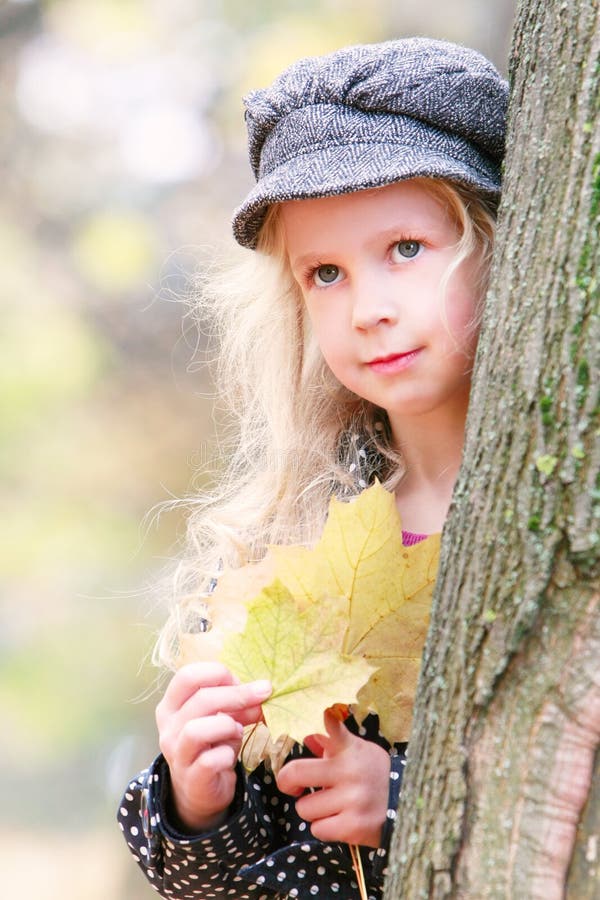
x=296 y=435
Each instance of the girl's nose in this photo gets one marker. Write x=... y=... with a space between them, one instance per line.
x=373 y=303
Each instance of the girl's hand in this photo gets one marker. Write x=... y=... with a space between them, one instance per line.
x=353 y=781
x=200 y=723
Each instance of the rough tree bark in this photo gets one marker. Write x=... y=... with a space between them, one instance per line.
x=504 y=751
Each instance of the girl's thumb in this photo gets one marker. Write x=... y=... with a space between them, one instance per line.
x=338 y=734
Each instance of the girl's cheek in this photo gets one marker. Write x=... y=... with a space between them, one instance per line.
x=463 y=322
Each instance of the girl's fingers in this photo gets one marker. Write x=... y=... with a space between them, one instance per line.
x=189 y=679
x=201 y=689
x=338 y=735
x=330 y=829
x=299 y=774
x=200 y=735
x=337 y=738
x=319 y=805
x=314 y=743
x=217 y=760
x=241 y=701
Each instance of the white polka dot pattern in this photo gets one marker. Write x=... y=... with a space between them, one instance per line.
x=263 y=852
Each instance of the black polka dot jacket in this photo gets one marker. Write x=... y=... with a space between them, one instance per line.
x=264 y=851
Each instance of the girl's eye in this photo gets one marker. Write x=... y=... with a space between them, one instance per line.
x=325 y=275
x=404 y=250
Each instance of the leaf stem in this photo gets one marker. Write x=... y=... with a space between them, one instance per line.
x=358 y=868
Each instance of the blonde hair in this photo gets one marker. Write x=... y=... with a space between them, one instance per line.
x=296 y=435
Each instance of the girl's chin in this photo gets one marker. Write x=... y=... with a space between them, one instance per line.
x=453 y=405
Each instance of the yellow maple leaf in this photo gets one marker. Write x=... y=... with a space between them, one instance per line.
x=394 y=645
x=360 y=556
x=385 y=589
x=227 y=611
x=300 y=653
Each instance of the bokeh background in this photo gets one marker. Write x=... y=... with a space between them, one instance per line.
x=122 y=153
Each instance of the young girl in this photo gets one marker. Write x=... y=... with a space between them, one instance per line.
x=348 y=340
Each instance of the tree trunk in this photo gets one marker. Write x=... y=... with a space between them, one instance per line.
x=507 y=717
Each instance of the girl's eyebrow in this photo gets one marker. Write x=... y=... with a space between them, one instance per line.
x=308 y=259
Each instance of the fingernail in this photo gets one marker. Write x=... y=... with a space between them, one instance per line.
x=262 y=688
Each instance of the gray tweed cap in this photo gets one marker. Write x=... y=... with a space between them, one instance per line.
x=369 y=115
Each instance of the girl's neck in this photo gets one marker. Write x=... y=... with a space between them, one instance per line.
x=431 y=446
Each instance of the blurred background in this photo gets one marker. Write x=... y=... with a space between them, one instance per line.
x=122 y=153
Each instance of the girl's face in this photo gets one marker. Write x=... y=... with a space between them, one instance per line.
x=369 y=265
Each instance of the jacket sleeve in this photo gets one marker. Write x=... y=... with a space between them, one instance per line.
x=398 y=762
x=184 y=866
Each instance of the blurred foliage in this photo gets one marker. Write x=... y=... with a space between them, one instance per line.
x=47 y=683
x=122 y=153
x=115 y=252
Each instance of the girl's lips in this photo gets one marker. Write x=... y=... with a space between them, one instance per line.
x=396 y=362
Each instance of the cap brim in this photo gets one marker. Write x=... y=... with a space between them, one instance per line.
x=342 y=169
